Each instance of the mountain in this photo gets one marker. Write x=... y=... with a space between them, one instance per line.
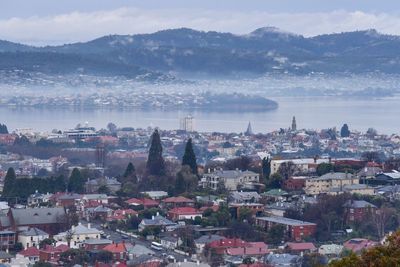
x=187 y=51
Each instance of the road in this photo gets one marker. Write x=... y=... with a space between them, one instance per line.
x=118 y=238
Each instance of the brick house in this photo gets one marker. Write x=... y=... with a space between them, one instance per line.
x=357 y=210
x=173 y=202
x=118 y=251
x=294 y=229
x=183 y=213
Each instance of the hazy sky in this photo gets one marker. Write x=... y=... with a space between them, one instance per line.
x=42 y=22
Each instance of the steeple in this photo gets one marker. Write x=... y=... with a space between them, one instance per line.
x=294 y=125
x=249 y=131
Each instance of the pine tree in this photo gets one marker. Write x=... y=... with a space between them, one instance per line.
x=3 y=129
x=9 y=182
x=266 y=167
x=76 y=182
x=345 y=132
x=189 y=158
x=155 y=162
x=130 y=174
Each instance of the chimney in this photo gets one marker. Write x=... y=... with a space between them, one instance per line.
x=152 y=217
x=89 y=225
x=198 y=263
x=158 y=214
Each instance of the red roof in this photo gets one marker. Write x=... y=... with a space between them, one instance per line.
x=178 y=200
x=52 y=249
x=125 y=212
x=115 y=248
x=184 y=211
x=372 y=164
x=358 y=244
x=301 y=246
x=228 y=243
x=143 y=201
x=255 y=248
x=30 y=252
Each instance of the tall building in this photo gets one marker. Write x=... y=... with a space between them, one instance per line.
x=187 y=124
x=294 y=125
x=249 y=130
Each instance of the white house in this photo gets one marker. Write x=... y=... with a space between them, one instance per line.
x=78 y=234
x=32 y=237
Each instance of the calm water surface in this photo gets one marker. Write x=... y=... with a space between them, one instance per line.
x=317 y=113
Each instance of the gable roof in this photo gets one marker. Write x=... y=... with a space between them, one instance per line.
x=178 y=200
x=33 y=232
x=115 y=248
x=37 y=216
x=301 y=246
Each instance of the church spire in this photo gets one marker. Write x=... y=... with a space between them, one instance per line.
x=249 y=131
x=294 y=125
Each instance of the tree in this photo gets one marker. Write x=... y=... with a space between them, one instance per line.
x=42 y=264
x=276 y=234
x=3 y=129
x=103 y=256
x=103 y=189
x=371 y=132
x=371 y=156
x=112 y=128
x=155 y=162
x=345 y=132
x=274 y=181
x=9 y=182
x=189 y=158
x=76 y=182
x=381 y=255
x=324 y=168
x=130 y=174
x=72 y=257
x=185 y=180
x=46 y=241
x=266 y=167
x=287 y=169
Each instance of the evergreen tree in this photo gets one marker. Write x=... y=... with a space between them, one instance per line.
x=76 y=182
x=189 y=158
x=345 y=132
x=155 y=162
x=3 y=129
x=266 y=167
x=130 y=174
x=9 y=182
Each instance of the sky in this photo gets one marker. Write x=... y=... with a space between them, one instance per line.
x=50 y=22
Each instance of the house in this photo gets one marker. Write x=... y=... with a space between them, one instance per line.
x=159 y=221
x=278 y=208
x=100 y=212
x=231 y=179
x=361 y=189
x=21 y=261
x=202 y=241
x=305 y=165
x=37 y=198
x=255 y=208
x=170 y=242
x=294 y=229
x=244 y=197
x=283 y=260
x=331 y=250
x=294 y=183
x=324 y=183
x=122 y=215
x=174 y=202
x=112 y=184
x=78 y=234
x=95 y=243
x=65 y=199
x=5 y=257
x=118 y=251
x=52 y=253
x=7 y=239
x=49 y=220
x=220 y=246
x=32 y=253
x=155 y=194
x=188 y=264
x=358 y=210
x=145 y=261
x=145 y=203
x=139 y=250
x=31 y=237
x=275 y=195
x=388 y=177
x=369 y=171
x=252 y=249
x=300 y=247
x=184 y=213
x=357 y=245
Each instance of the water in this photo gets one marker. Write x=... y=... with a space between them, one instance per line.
x=311 y=113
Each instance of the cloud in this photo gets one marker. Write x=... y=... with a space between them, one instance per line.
x=83 y=26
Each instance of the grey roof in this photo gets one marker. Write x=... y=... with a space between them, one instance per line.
x=6 y=232
x=283 y=220
x=37 y=215
x=232 y=174
x=5 y=221
x=33 y=232
x=391 y=175
x=350 y=187
x=336 y=176
x=358 y=204
x=158 y=220
x=138 y=250
x=82 y=230
x=205 y=239
x=282 y=259
x=280 y=205
x=5 y=255
x=142 y=259
x=188 y=264
x=96 y=241
x=245 y=195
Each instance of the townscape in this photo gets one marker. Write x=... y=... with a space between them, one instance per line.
x=151 y=197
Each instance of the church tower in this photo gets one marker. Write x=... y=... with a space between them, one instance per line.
x=249 y=131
